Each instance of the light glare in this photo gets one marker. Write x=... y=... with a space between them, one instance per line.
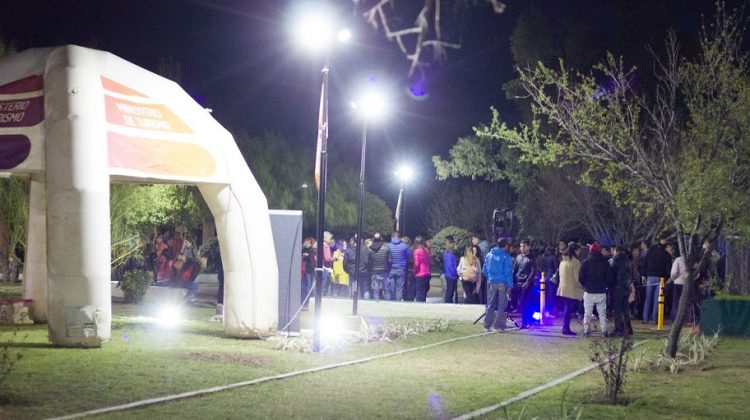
x=344 y=35
x=170 y=315
x=405 y=173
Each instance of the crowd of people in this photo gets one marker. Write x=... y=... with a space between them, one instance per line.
x=175 y=262
x=581 y=281
x=611 y=282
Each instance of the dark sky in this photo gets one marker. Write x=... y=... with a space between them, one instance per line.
x=237 y=58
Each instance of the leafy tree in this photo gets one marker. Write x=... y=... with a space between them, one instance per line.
x=14 y=204
x=137 y=212
x=682 y=152
x=468 y=205
x=285 y=174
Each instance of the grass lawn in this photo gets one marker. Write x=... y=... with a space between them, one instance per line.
x=144 y=360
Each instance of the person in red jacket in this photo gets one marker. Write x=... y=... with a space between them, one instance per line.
x=421 y=268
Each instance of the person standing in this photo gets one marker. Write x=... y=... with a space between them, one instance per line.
x=621 y=291
x=400 y=255
x=422 y=272
x=498 y=268
x=308 y=269
x=380 y=265
x=524 y=276
x=362 y=286
x=483 y=247
x=549 y=265
x=570 y=290
x=678 y=274
x=340 y=276
x=470 y=273
x=658 y=265
x=327 y=261
x=595 y=277
x=450 y=265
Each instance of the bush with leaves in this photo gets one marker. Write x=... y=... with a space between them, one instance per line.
x=461 y=236
x=134 y=285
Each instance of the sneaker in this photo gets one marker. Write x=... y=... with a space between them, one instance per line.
x=219 y=309
x=486 y=329
x=570 y=333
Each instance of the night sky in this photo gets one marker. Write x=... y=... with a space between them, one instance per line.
x=238 y=58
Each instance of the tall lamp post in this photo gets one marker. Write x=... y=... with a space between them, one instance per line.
x=315 y=32
x=370 y=107
x=404 y=174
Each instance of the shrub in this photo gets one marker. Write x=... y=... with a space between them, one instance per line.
x=8 y=359
x=612 y=356
x=211 y=252
x=461 y=236
x=134 y=285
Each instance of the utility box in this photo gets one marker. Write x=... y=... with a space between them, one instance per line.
x=287 y=239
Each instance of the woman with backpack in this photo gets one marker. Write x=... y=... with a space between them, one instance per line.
x=471 y=279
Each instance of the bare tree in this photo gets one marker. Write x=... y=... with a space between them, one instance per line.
x=427 y=32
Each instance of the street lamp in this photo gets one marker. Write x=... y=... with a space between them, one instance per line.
x=404 y=174
x=371 y=107
x=314 y=31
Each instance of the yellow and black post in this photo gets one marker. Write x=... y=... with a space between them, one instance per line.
x=542 y=287
x=660 y=319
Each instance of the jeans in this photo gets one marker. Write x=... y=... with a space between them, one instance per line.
x=395 y=283
x=571 y=306
x=422 y=283
x=677 y=293
x=410 y=288
x=622 y=315
x=377 y=281
x=598 y=300
x=497 y=295
x=651 y=304
x=307 y=282
x=325 y=282
x=450 y=289
x=471 y=297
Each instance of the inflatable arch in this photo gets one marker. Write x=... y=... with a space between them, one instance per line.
x=71 y=120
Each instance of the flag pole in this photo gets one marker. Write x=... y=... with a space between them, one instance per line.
x=321 y=173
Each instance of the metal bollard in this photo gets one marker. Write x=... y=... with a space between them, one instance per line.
x=542 y=286
x=660 y=318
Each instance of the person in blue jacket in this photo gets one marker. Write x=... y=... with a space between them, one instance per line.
x=400 y=256
x=450 y=269
x=498 y=269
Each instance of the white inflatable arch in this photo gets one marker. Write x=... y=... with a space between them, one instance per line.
x=71 y=120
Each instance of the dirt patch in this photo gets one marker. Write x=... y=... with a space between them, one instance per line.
x=237 y=359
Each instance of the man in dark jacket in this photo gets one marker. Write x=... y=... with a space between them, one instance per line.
x=400 y=255
x=359 y=280
x=380 y=264
x=524 y=277
x=620 y=292
x=658 y=265
x=595 y=277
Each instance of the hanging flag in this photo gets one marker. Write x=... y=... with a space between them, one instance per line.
x=322 y=133
x=398 y=211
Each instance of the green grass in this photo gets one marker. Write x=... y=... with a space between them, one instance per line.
x=144 y=360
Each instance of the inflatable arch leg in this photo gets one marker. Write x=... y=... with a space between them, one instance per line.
x=35 y=268
x=78 y=234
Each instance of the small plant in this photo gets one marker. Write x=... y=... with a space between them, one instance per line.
x=8 y=359
x=612 y=356
x=695 y=350
x=640 y=361
x=134 y=285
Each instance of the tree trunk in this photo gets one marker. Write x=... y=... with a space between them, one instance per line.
x=686 y=298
